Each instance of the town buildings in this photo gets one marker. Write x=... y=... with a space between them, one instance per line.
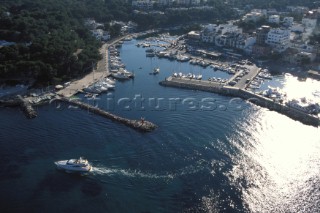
x=287 y=38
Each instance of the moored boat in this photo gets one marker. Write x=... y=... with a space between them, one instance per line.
x=156 y=70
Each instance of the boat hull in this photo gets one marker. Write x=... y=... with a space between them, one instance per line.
x=62 y=165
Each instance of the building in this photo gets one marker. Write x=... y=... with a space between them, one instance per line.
x=287 y=21
x=297 y=9
x=228 y=28
x=275 y=19
x=302 y=46
x=279 y=39
x=187 y=2
x=247 y=43
x=183 y=2
x=253 y=16
x=164 y=2
x=304 y=58
x=299 y=28
x=262 y=34
x=99 y=34
x=261 y=50
x=219 y=34
x=226 y=40
x=309 y=23
x=92 y=24
x=209 y=33
x=143 y=4
x=272 y=11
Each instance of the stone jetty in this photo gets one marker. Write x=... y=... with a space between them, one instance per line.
x=141 y=125
x=27 y=108
x=23 y=103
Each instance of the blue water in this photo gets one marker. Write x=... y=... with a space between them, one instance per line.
x=210 y=153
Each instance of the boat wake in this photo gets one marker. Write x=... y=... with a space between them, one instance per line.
x=128 y=173
x=191 y=169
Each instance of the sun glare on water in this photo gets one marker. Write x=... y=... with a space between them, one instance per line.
x=278 y=168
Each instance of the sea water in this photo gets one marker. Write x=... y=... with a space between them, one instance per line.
x=210 y=153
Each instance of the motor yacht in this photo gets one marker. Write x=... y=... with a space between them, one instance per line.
x=80 y=165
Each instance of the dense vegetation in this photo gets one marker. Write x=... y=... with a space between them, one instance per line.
x=52 y=41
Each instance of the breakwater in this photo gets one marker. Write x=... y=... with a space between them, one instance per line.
x=244 y=94
x=24 y=104
x=141 y=125
x=27 y=107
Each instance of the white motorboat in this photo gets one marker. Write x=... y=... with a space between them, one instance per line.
x=80 y=165
x=108 y=85
x=156 y=70
x=125 y=73
x=199 y=77
x=120 y=76
x=92 y=89
x=108 y=80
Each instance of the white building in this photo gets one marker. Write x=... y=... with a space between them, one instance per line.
x=228 y=28
x=195 y=2
x=143 y=4
x=249 y=43
x=297 y=28
x=274 y=19
x=221 y=35
x=253 y=16
x=279 y=39
x=288 y=21
x=164 y=2
x=264 y=12
x=209 y=33
x=183 y=2
x=245 y=42
x=99 y=34
x=309 y=23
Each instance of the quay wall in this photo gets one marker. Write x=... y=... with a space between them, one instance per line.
x=279 y=107
x=246 y=95
x=198 y=86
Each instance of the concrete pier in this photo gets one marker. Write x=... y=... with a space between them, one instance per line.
x=141 y=125
x=244 y=94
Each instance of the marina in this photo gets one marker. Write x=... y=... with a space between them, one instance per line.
x=196 y=160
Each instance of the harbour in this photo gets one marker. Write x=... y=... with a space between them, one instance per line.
x=197 y=160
